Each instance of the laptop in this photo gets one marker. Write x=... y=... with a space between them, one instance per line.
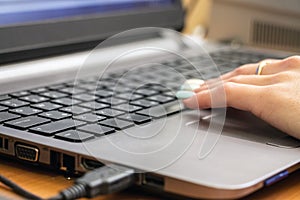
x=92 y=82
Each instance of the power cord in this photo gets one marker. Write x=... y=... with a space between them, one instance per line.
x=105 y=180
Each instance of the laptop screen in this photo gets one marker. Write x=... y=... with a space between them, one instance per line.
x=46 y=27
x=31 y=11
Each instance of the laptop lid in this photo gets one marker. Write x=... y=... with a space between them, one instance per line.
x=31 y=29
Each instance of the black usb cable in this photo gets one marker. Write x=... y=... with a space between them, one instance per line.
x=105 y=180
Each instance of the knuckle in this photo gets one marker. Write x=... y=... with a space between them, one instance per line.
x=291 y=62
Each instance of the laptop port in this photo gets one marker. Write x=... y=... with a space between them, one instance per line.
x=153 y=180
x=1 y=142
x=55 y=159
x=90 y=164
x=25 y=152
x=5 y=145
x=68 y=163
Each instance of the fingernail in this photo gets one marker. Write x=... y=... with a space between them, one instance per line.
x=189 y=87
x=184 y=94
x=192 y=84
x=195 y=81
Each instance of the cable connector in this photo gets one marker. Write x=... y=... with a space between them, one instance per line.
x=105 y=180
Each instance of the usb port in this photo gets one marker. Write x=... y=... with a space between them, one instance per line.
x=6 y=144
x=1 y=142
x=153 y=180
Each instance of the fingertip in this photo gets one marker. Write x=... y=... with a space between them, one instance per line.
x=191 y=102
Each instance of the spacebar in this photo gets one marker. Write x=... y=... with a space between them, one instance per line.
x=163 y=109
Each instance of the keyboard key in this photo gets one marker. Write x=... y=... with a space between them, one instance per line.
x=56 y=86
x=25 y=111
x=90 y=87
x=39 y=90
x=66 y=101
x=84 y=97
x=76 y=110
x=138 y=119
x=14 y=103
x=4 y=97
x=94 y=105
x=112 y=101
x=129 y=96
x=74 y=136
x=117 y=123
x=88 y=117
x=55 y=127
x=3 y=108
x=103 y=93
x=5 y=116
x=96 y=129
x=20 y=94
x=72 y=90
x=108 y=112
x=127 y=108
x=162 y=110
x=54 y=94
x=26 y=122
x=34 y=98
x=55 y=115
x=144 y=103
x=46 y=106
x=161 y=98
x=146 y=92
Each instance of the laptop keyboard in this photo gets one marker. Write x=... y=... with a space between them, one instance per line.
x=92 y=108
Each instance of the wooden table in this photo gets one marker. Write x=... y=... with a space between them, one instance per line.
x=47 y=183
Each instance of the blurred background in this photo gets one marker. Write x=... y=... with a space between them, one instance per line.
x=273 y=24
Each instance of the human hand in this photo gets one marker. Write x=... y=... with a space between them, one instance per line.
x=273 y=96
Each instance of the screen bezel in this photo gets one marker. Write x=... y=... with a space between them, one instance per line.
x=28 y=41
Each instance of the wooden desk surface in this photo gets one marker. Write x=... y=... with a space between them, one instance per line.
x=46 y=184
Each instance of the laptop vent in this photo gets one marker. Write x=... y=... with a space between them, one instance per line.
x=275 y=36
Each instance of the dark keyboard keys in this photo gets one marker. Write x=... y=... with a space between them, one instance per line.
x=117 y=123
x=103 y=93
x=34 y=98
x=26 y=122
x=25 y=111
x=46 y=106
x=129 y=96
x=162 y=109
x=39 y=90
x=94 y=105
x=55 y=115
x=55 y=127
x=4 y=97
x=14 y=103
x=74 y=136
x=84 y=97
x=127 y=108
x=5 y=116
x=3 y=108
x=136 y=118
x=20 y=94
x=89 y=117
x=144 y=103
x=112 y=101
x=161 y=98
x=66 y=101
x=75 y=110
x=109 y=112
x=146 y=92
x=72 y=90
x=54 y=94
x=96 y=129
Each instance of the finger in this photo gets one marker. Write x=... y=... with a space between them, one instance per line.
x=281 y=65
x=247 y=69
x=242 y=79
x=239 y=96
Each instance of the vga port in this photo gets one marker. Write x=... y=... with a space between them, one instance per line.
x=27 y=153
